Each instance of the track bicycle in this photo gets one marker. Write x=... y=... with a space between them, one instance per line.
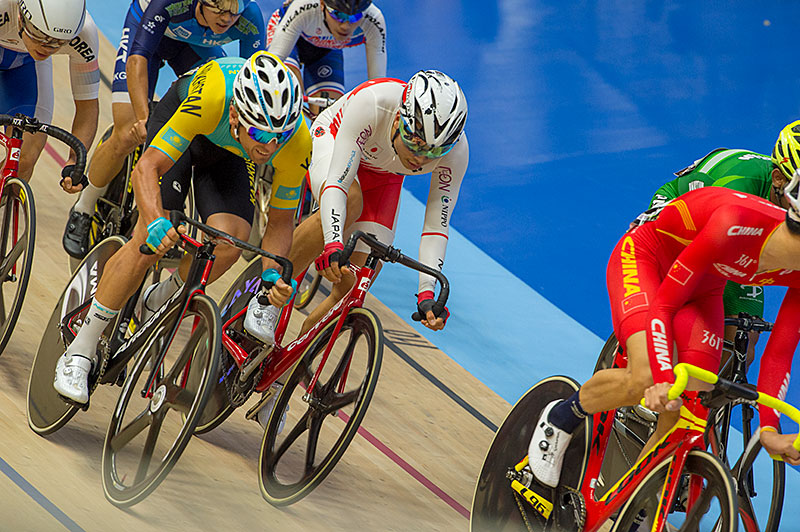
x=18 y=216
x=634 y=425
x=336 y=366
x=175 y=353
x=677 y=485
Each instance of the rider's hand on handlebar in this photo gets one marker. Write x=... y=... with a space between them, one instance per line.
x=655 y=398
x=280 y=293
x=139 y=131
x=327 y=263
x=162 y=236
x=66 y=180
x=429 y=319
x=780 y=445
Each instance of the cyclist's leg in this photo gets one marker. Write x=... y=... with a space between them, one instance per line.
x=27 y=88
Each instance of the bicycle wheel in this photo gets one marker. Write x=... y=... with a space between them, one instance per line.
x=319 y=428
x=148 y=432
x=714 y=509
x=495 y=505
x=307 y=288
x=47 y=411
x=17 y=236
x=760 y=482
x=235 y=299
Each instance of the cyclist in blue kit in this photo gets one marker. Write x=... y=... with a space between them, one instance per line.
x=182 y=33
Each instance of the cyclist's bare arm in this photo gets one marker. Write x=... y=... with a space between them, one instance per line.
x=136 y=69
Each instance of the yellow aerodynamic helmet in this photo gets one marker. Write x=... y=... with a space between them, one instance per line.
x=786 y=154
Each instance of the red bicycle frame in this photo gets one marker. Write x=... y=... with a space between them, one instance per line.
x=281 y=358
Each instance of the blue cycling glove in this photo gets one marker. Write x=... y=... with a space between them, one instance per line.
x=156 y=232
x=271 y=276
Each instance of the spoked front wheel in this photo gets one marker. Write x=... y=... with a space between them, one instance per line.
x=150 y=427
x=17 y=236
x=706 y=499
x=319 y=427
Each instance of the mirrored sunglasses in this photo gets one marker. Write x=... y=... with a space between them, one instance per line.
x=341 y=16
x=411 y=141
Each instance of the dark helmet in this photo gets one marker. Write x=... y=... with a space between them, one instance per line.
x=351 y=7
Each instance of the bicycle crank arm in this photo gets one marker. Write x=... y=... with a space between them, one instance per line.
x=250 y=366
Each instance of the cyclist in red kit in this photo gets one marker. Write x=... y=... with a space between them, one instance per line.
x=665 y=281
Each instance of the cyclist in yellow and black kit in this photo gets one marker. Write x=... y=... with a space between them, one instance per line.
x=222 y=120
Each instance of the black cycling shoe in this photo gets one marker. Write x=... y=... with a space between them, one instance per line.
x=76 y=234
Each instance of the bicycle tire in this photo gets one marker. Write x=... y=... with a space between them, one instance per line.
x=279 y=481
x=47 y=411
x=307 y=288
x=16 y=250
x=718 y=484
x=175 y=389
x=494 y=504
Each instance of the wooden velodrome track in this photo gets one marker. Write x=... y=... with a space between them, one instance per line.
x=412 y=466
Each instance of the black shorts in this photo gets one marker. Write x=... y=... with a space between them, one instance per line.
x=223 y=181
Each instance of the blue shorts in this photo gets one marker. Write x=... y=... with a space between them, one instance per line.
x=180 y=56
x=26 y=86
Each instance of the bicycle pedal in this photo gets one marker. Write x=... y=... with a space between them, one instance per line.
x=82 y=406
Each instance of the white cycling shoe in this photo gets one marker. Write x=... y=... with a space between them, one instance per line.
x=72 y=377
x=260 y=320
x=547 y=448
x=263 y=414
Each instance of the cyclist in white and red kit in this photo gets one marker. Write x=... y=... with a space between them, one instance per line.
x=363 y=147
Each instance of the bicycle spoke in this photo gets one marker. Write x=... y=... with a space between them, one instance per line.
x=699 y=509
x=291 y=438
x=179 y=399
x=313 y=439
x=12 y=258
x=341 y=400
x=149 y=445
x=133 y=429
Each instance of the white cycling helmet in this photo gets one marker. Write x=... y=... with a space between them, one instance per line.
x=435 y=108
x=266 y=94
x=57 y=19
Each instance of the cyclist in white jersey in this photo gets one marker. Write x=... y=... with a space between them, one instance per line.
x=30 y=32
x=363 y=147
x=312 y=33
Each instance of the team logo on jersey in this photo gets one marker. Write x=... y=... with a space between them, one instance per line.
x=630 y=271
x=680 y=273
x=324 y=71
x=319 y=131
x=287 y=193
x=172 y=138
x=739 y=230
x=728 y=271
x=634 y=301
x=181 y=32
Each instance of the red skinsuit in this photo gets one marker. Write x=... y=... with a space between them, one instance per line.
x=667 y=277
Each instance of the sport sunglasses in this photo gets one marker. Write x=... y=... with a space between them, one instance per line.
x=341 y=16
x=217 y=11
x=410 y=140
x=265 y=137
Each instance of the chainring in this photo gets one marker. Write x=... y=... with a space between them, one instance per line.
x=239 y=392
